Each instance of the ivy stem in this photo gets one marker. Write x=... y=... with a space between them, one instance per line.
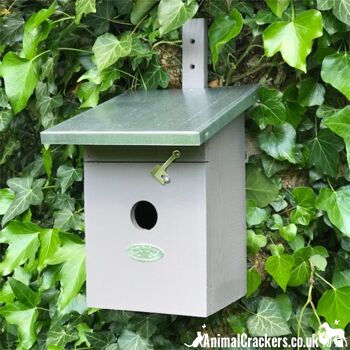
x=61 y=49
x=252 y=71
x=79 y=210
x=13 y=3
x=73 y=49
x=48 y=187
x=42 y=308
x=239 y=60
x=245 y=309
x=63 y=19
x=126 y=73
x=166 y=42
x=293 y=11
x=309 y=296
x=40 y=54
x=309 y=301
x=325 y=281
x=315 y=126
x=330 y=185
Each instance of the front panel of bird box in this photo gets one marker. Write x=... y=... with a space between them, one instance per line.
x=146 y=242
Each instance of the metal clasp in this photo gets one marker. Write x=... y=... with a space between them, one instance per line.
x=159 y=171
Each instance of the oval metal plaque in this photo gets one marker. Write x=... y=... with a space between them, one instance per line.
x=144 y=252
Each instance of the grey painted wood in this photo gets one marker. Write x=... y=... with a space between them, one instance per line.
x=175 y=284
x=200 y=228
x=142 y=154
x=226 y=232
x=195 y=54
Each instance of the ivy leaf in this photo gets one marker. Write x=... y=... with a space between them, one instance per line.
x=288 y=232
x=101 y=21
x=46 y=104
x=311 y=93
x=339 y=123
x=28 y=192
x=6 y=198
x=285 y=305
x=300 y=273
x=89 y=94
x=25 y=320
x=67 y=175
x=332 y=24
x=324 y=152
x=102 y=340
x=155 y=76
x=11 y=29
x=172 y=14
x=23 y=241
x=140 y=9
x=20 y=77
x=305 y=205
x=259 y=188
x=6 y=116
x=66 y=219
x=255 y=215
x=334 y=306
x=319 y=261
x=269 y=109
x=278 y=6
x=336 y=71
x=223 y=29
x=340 y=8
x=253 y=282
x=108 y=49
x=337 y=206
x=293 y=39
x=49 y=243
x=279 y=267
x=36 y=30
x=84 y=7
x=132 y=341
x=341 y=279
x=72 y=274
x=24 y=294
x=60 y=334
x=255 y=242
x=145 y=326
x=279 y=142
x=4 y=102
x=268 y=320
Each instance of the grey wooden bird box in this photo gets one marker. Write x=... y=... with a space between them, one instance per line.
x=165 y=192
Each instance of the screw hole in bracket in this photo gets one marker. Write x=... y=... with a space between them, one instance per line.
x=192 y=41
x=192 y=66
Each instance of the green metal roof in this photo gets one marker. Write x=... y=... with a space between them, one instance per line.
x=157 y=117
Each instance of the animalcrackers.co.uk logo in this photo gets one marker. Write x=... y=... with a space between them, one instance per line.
x=326 y=336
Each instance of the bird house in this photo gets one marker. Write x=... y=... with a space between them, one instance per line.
x=164 y=192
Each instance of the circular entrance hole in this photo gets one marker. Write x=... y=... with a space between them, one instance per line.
x=144 y=215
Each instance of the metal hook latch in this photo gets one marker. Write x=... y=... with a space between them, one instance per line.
x=159 y=171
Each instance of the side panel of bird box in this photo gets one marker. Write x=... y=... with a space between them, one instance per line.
x=226 y=216
x=131 y=266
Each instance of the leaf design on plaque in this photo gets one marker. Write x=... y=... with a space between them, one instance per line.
x=144 y=252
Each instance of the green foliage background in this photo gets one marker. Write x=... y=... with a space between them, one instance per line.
x=58 y=58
